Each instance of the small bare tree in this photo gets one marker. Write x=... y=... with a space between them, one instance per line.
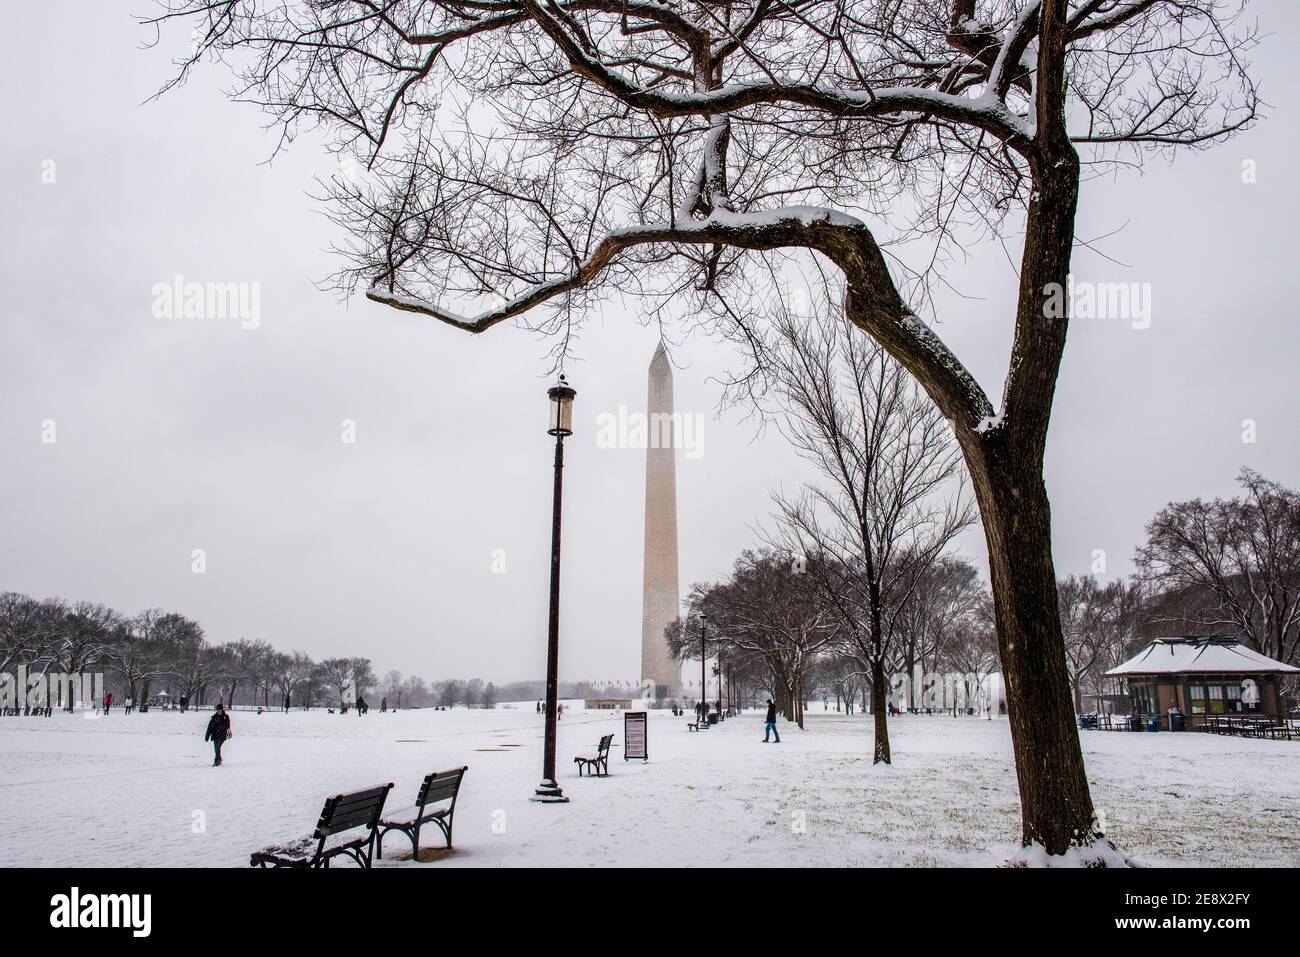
x=889 y=502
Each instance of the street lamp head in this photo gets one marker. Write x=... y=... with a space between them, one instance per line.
x=561 y=418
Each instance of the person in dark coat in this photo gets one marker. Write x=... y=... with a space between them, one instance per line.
x=770 y=727
x=218 y=731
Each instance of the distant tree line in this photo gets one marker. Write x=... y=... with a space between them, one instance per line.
x=156 y=651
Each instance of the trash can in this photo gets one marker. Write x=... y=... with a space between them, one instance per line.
x=1176 y=721
x=1153 y=722
x=713 y=717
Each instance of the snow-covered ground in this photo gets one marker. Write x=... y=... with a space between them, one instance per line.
x=138 y=790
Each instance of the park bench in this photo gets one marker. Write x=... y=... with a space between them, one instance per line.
x=343 y=812
x=601 y=760
x=699 y=724
x=436 y=788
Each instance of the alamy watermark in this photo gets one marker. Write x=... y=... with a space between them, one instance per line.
x=624 y=429
x=179 y=299
x=1080 y=299
x=129 y=911
x=25 y=690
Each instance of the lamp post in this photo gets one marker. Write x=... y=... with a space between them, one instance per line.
x=704 y=688
x=560 y=424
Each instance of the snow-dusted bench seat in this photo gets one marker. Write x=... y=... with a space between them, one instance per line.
x=342 y=813
x=598 y=765
x=438 y=787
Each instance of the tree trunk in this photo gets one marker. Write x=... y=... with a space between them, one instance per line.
x=913 y=692
x=880 y=711
x=1055 y=804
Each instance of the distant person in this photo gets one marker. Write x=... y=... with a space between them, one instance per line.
x=130 y=705
x=185 y=703
x=559 y=711
x=218 y=731
x=770 y=726
x=539 y=707
x=383 y=705
x=108 y=702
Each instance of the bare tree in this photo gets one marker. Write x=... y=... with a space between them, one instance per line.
x=266 y=673
x=143 y=651
x=1084 y=625
x=414 y=692
x=449 y=693
x=764 y=612
x=337 y=674
x=473 y=692
x=392 y=684
x=243 y=663
x=889 y=502
x=293 y=671
x=82 y=638
x=195 y=663
x=27 y=629
x=1243 y=555
x=582 y=141
x=363 y=676
x=946 y=600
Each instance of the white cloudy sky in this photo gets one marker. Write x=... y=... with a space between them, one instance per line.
x=174 y=435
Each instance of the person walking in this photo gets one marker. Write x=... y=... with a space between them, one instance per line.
x=108 y=702
x=130 y=705
x=770 y=727
x=218 y=731
x=559 y=711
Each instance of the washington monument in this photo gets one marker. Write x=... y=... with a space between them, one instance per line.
x=660 y=602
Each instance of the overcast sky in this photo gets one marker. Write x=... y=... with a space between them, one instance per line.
x=180 y=434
